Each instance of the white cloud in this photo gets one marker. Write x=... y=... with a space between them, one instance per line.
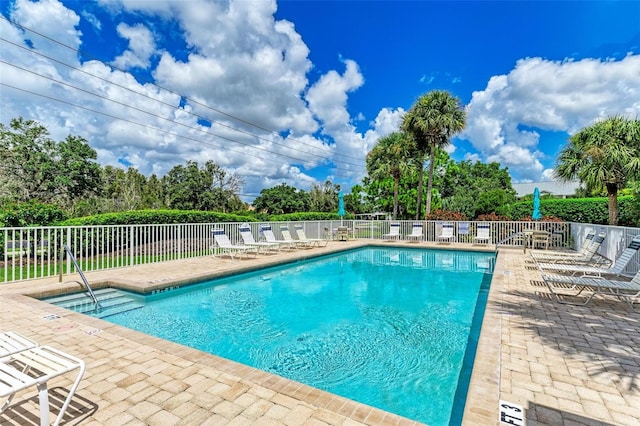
x=141 y=47
x=504 y=119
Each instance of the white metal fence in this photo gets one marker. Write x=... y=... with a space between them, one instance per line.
x=36 y=252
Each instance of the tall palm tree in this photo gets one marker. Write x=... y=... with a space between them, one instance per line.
x=391 y=156
x=605 y=154
x=433 y=120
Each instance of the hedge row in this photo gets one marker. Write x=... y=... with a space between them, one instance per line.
x=582 y=210
x=144 y=217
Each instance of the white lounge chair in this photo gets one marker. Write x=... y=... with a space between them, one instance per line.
x=35 y=367
x=267 y=232
x=224 y=245
x=286 y=236
x=302 y=236
x=626 y=291
x=247 y=238
x=394 y=232
x=483 y=234
x=588 y=256
x=585 y=270
x=416 y=234
x=446 y=234
x=12 y=342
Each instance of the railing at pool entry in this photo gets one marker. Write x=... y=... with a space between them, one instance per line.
x=34 y=252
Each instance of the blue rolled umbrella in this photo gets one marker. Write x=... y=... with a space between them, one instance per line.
x=341 y=211
x=537 y=214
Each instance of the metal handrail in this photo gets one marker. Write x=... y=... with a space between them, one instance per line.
x=84 y=279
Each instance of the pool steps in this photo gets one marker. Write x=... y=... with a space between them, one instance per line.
x=111 y=302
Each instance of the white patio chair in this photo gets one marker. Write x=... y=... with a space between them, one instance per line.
x=617 y=268
x=302 y=236
x=394 y=232
x=36 y=367
x=417 y=233
x=446 y=233
x=267 y=232
x=226 y=247
x=483 y=234
x=247 y=238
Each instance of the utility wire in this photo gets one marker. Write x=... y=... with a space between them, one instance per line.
x=167 y=90
x=148 y=126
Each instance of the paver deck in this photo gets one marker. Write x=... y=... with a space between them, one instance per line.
x=563 y=364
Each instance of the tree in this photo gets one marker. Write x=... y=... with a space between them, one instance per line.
x=210 y=188
x=281 y=199
x=391 y=156
x=604 y=155
x=432 y=121
x=34 y=167
x=324 y=198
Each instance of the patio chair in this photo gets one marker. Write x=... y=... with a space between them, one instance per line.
x=616 y=269
x=247 y=238
x=18 y=248
x=226 y=247
x=286 y=236
x=416 y=234
x=35 y=367
x=483 y=234
x=626 y=291
x=267 y=232
x=446 y=233
x=588 y=240
x=302 y=236
x=588 y=256
x=394 y=232
x=41 y=248
x=12 y=342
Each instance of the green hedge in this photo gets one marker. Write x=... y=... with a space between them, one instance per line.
x=31 y=213
x=293 y=217
x=582 y=210
x=145 y=217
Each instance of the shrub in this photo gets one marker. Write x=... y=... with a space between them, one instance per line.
x=446 y=215
x=31 y=213
x=492 y=217
x=155 y=217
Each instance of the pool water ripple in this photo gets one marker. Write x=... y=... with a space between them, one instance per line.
x=386 y=327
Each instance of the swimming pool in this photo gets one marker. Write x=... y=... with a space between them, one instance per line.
x=389 y=327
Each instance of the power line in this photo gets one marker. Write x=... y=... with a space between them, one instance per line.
x=148 y=126
x=172 y=92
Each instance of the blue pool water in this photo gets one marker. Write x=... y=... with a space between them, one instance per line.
x=388 y=327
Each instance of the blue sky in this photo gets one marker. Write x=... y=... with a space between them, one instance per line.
x=298 y=92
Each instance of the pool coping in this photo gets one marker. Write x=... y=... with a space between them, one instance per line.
x=482 y=395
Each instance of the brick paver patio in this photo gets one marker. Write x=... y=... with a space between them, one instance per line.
x=563 y=364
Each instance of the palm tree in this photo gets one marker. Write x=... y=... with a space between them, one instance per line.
x=603 y=155
x=391 y=156
x=432 y=121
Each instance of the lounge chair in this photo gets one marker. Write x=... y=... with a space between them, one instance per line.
x=267 y=232
x=302 y=236
x=286 y=236
x=35 y=367
x=616 y=269
x=18 y=248
x=626 y=291
x=394 y=232
x=588 y=256
x=446 y=234
x=12 y=342
x=247 y=238
x=416 y=234
x=483 y=234
x=224 y=245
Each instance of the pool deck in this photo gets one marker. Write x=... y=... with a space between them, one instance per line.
x=563 y=364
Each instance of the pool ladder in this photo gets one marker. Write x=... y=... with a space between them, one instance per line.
x=79 y=269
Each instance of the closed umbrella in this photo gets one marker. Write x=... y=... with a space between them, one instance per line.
x=341 y=211
x=536 y=215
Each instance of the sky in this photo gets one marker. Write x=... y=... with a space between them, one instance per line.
x=298 y=92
